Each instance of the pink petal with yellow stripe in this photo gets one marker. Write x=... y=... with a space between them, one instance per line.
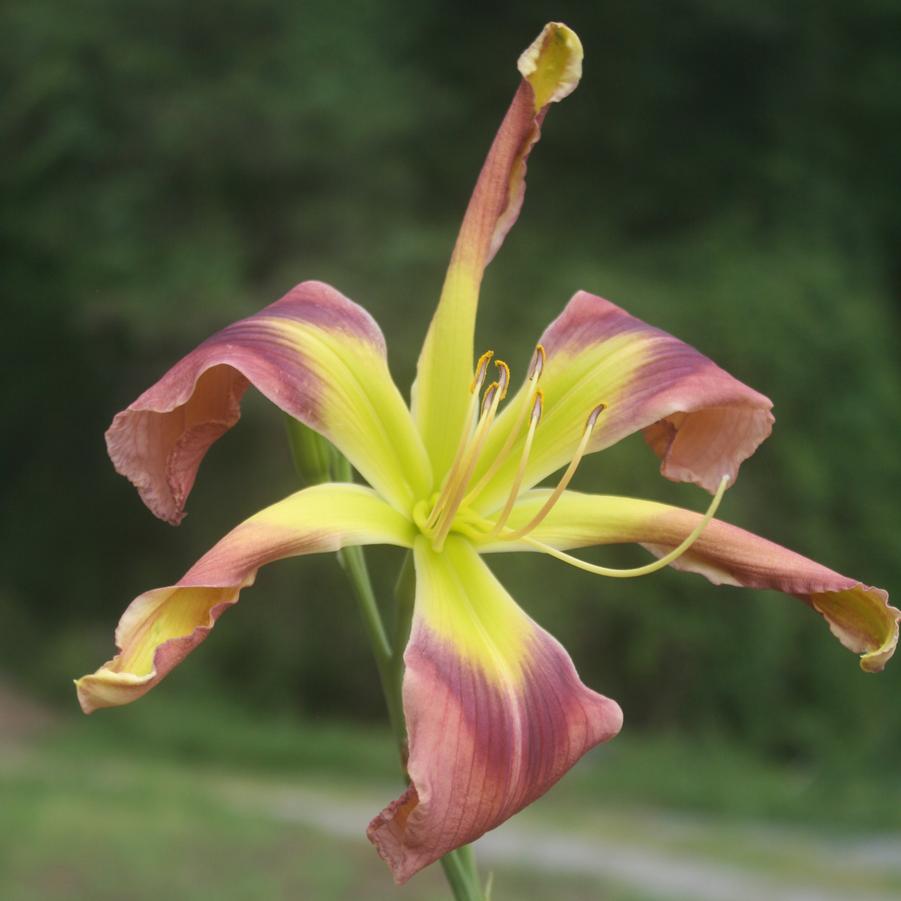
x=315 y=354
x=698 y=419
x=859 y=616
x=161 y=627
x=495 y=712
x=550 y=68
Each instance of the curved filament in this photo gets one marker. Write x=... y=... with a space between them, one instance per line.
x=564 y=481
x=635 y=571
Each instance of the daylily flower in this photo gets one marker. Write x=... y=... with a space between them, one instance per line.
x=494 y=708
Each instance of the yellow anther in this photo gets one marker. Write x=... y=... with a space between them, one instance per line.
x=498 y=460
x=503 y=378
x=488 y=399
x=529 y=406
x=660 y=563
x=593 y=417
x=536 y=367
x=481 y=369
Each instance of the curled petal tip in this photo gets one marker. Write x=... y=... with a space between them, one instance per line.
x=162 y=626
x=289 y=352
x=107 y=688
x=859 y=616
x=863 y=620
x=83 y=701
x=550 y=68
x=552 y=63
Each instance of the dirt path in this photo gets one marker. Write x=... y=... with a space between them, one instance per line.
x=661 y=872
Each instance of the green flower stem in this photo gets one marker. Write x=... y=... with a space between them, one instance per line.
x=314 y=463
x=460 y=871
x=404 y=594
x=353 y=561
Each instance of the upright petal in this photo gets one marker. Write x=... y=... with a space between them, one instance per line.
x=859 y=616
x=494 y=708
x=161 y=627
x=698 y=419
x=551 y=68
x=316 y=355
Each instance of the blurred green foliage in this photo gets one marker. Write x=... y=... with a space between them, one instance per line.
x=725 y=171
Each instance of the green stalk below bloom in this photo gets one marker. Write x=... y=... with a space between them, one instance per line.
x=309 y=452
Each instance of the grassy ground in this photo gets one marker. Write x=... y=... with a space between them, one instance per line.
x=142 y=831
x=107 y=829
x=703 y=776
x=140 y=804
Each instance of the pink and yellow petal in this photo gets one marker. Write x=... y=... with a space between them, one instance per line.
x=858 y=615
x=550 y=69
x=315 y=354
x=699 y=420
x=495 y=712
x=161 y=627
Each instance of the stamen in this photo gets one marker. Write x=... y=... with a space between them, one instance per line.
x=453 y=494
x=475 y=386
x=534 y=419
x=537 y=408
x=536 y=367
x=564 y=481
x=503 y=378
x=487 y=400
x=660 y=563
x=457 y=486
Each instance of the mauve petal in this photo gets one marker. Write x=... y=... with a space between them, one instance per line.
x=550 y=69
x=699 y=420
x=859 y=616
x=315 y=354
x=495 y=712
x=161 y=627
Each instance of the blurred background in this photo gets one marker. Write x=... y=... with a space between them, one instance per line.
x=727 y=170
